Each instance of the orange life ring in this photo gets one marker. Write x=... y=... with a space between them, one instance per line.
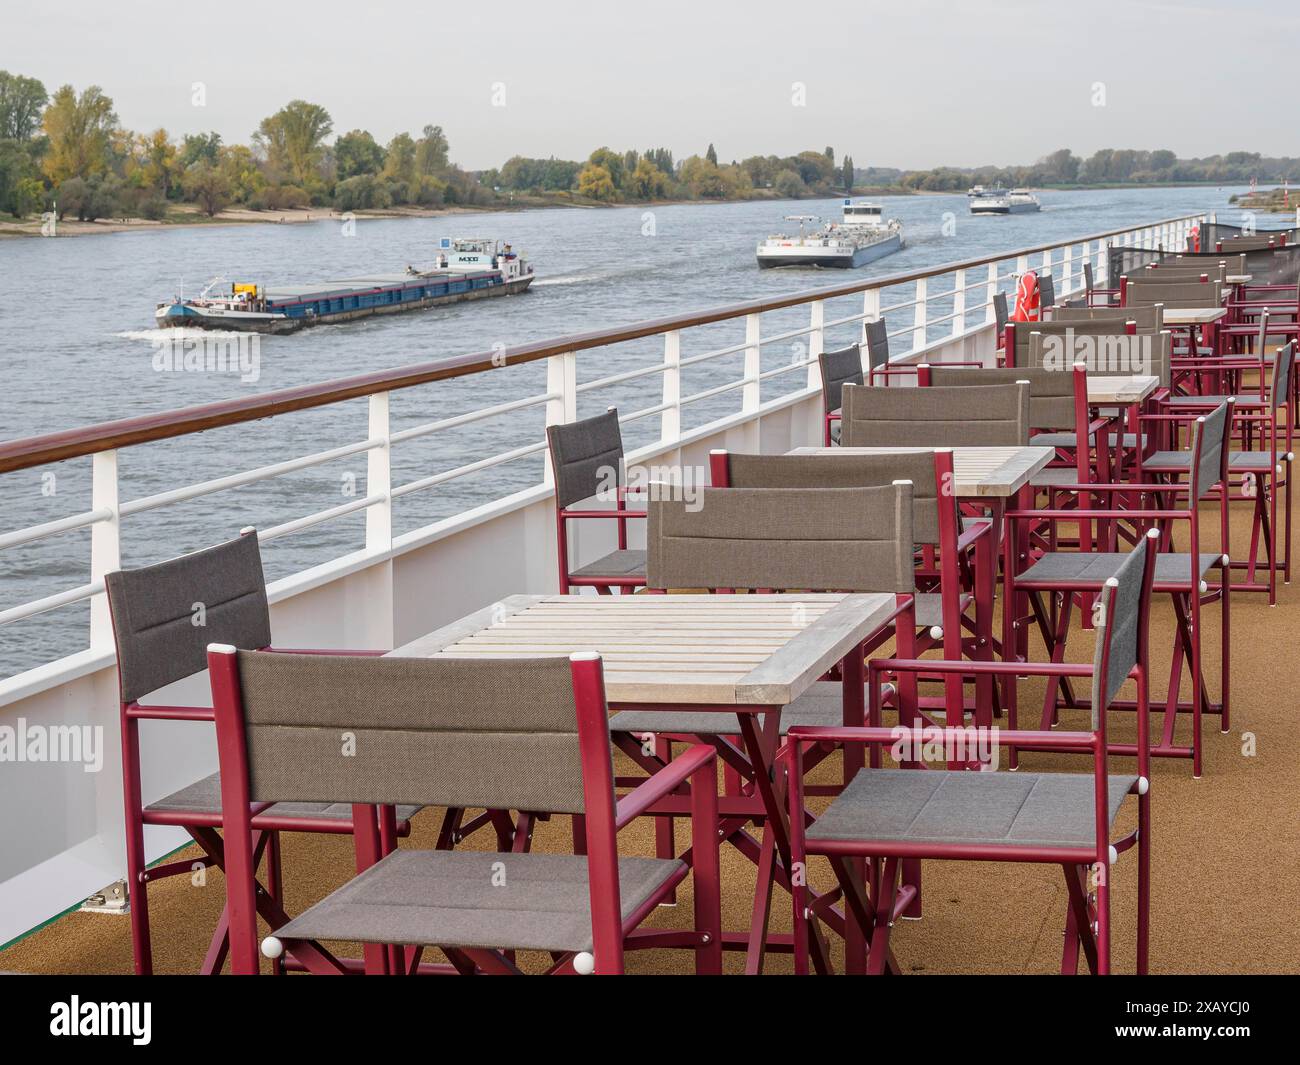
x=1026 y=298
x=1195 y=239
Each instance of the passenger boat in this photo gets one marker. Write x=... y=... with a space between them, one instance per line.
x=997 y=200
x=468 y=268
x=861 y=237
x=405 y=575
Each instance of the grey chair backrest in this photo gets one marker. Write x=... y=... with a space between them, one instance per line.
x=965 y=416
x=1089 y=283
x=848 y=470
x=1000 y=315
x=1177 y=294
x=1061 y=327
x=807 y=539
x=1118 y=644
x=1167 y=273
x=585 y=454
x=1283 y=368
x=494 y=733
x=1208 y=436
x=1051 y=393
x=877 y=343
x=1147 y=319
x=839 y=368
x=1233 y=264
x=1107 y=355
x=1046 y=290
x=165 y=615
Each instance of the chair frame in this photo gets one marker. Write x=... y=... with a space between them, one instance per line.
x=603 y=819
x=874 y=909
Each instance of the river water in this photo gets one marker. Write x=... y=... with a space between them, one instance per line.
x=79 y=347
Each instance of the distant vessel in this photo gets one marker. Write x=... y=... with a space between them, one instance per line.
x=997 y=200
x=468 y=268
x=860 y=238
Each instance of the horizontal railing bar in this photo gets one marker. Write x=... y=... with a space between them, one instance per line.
x=709 y=393
x=298 y=524
x=766 y=374
x=645 y=412
x=87 y=440
x=50 y=528
x=473 y=467
x=619 y=378
x=235 y=480
x=470 y=416
x=51 y=602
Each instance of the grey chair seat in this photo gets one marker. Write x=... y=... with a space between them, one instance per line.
x=1068 y=439
x=962 y=807
x=1171 y=461
x=821 y=705
x=1084 y=568
x=204 y=797
x=627 y=563
x=1054 y=475
x=473 y=899
x=1253 y=461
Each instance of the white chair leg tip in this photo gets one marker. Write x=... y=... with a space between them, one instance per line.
x=272 y=948
x=584 y=964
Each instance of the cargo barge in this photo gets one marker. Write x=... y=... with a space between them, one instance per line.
x=467 y=269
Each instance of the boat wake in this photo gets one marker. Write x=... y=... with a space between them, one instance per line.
x=178 y=333
x=574 y=279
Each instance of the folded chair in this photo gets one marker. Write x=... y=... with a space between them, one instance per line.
x=889 y=816
x=163 y=617
x=519 y=734
x=1068 y=578
x=772 y=539
x=838 y=368
x=1144 y=319
x=587 y=457
x=881 y=369
x=1094 y=296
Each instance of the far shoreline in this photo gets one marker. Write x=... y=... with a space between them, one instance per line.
x=188 y=216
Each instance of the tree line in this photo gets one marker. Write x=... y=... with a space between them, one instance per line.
x=68 y=152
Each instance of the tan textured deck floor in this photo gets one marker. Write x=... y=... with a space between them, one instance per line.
x=1226 y=851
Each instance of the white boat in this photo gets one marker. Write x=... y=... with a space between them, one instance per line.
x=997 y=200
x=861 y=237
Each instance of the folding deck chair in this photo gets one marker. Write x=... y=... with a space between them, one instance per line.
x=163 y=617
x=587 y=460
x=887 y=816
x=1067 y=577
x=526 y=734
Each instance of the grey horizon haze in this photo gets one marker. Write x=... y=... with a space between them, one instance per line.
x=912 y=85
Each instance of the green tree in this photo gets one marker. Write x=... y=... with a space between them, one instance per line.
x=18 y=170
x=196 y=146
x=611 y=162
x=208 y=186
x=647 y=181
x=432 y=152
x=357 y=153
x=160 y=164
x=294 y=138
x=21 y=102
x=80 y=133
x=790 y=185
x=847 y=173
x=711 y=154
x=400 y=163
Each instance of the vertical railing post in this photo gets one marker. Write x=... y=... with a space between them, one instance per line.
x=919 y=316
x=816 y=341
x=670 y=421
x=959 y=303
x=870 y=313
x=105 y=543
x=990 y=315
x=751 y=396
x=1047 y=264
x=562 y=407
x=379 y=478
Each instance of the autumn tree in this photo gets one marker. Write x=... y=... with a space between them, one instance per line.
x=21 y=102
x=357 y=153
x=80 y=130
x=293 y=140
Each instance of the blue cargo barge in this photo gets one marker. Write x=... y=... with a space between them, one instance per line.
x=468 y=269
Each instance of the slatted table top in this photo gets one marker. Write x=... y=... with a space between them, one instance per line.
x=733 y=650
x=1193 y=315
x=998 y=472
x=1106 y=391
x=1238 y=279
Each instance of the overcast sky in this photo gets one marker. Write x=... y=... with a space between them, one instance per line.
x=912 y=83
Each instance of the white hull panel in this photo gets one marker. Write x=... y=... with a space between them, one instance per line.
x=825 y=257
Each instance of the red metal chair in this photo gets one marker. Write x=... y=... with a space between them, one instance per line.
x=163 y=616
x=587 y=459
x=887 y=816
x=518 y=734
x=1070 y=577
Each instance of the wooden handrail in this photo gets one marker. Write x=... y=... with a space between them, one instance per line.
x=26 y=453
